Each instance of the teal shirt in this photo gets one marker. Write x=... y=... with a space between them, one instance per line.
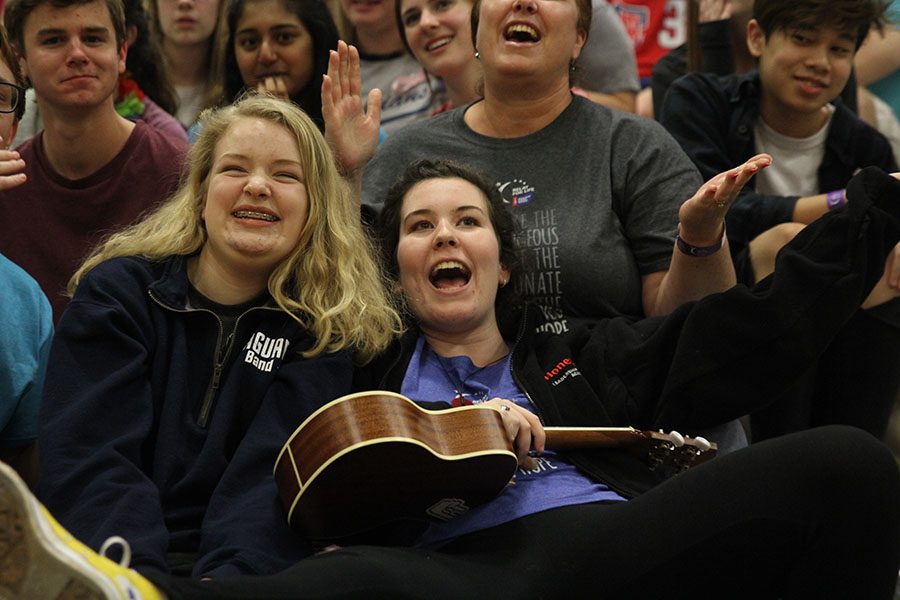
x=26 y=329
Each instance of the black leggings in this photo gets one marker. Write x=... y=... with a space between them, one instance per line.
x=813 y=514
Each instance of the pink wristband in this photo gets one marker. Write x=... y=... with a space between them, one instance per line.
x=835 y=199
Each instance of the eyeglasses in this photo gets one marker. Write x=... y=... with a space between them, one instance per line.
x=10 y=96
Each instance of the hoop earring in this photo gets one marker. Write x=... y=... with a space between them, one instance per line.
x=477 y=55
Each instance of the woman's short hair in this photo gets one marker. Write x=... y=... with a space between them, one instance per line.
x=330 y=283
x=316 y=17
x=388 y=222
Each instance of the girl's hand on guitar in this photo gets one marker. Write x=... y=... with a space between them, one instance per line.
x=523 y=427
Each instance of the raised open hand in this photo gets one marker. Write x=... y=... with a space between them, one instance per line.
x=702 y=217
x=350 y=126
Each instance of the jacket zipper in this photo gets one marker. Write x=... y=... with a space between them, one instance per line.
x=221 y=357
x=218 y=366
x=526 y=322
x=619 y=489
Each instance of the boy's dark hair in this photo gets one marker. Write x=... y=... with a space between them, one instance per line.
x=388 y=224
x=8 y=55
x=17 y=11
x=316 y=17
x=857 y=16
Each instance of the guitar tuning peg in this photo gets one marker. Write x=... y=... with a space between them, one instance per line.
x=677 y=439
x=702 y=444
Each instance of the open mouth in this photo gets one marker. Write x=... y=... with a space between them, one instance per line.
x=449 y=274
x=253 y=214
x=519 y=32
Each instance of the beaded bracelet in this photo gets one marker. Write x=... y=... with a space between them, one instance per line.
x=835 y=199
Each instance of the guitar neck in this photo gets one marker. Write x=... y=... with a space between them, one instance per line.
x=567 y=438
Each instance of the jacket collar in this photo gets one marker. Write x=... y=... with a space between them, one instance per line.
x=171 y=287
x=744 y=87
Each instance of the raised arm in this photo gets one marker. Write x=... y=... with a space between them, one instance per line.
x=351 y=128
x=701 y=260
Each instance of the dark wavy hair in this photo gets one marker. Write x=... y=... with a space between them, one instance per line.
x=852 y=15
x=145 y=61
x=316 y=17
x=387 y=226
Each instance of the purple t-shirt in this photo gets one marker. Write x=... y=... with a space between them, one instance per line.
x=554 y=482
x=53 y=222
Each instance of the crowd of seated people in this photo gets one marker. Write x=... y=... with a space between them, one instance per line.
x=227 y=215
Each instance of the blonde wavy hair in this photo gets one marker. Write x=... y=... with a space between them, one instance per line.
x=331 y=283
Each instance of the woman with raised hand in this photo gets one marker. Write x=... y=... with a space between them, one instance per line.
x=194 y=337
x=597 y=193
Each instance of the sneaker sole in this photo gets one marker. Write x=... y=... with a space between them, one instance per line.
x=34 y=562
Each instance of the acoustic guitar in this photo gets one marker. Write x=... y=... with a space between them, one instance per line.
x=372 y=458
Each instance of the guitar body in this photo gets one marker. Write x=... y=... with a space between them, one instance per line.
x=372 y=459
x=368 y=459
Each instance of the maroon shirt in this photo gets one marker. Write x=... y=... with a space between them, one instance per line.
x=50 y=223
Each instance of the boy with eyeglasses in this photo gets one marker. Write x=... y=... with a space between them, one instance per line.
x=90 y=171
